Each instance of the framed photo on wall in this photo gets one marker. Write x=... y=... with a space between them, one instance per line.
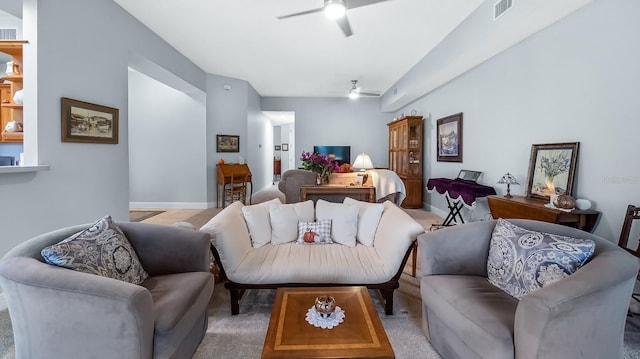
x=285 y=147
x=276 y=148
x=552 y=169
x=89 y=123
x=449 y=138
x=227 y=143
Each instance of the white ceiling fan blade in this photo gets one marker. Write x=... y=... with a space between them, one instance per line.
x=352 y=4
x=343 y=22
x=301 y=13
x=371 y=94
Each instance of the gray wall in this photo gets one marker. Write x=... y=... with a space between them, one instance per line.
x=577 y=80
x=259 y=142
x=167 y=133
x=335 y=122
x=80 y=53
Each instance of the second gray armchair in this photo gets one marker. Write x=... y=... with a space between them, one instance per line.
x=465 y=316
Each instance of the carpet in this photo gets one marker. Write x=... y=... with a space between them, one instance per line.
x=139 y=216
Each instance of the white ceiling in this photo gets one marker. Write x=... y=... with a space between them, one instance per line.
x=306 y=55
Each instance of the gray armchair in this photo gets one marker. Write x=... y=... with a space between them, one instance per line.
x=291 y=182
x=465 y=316
x=61 y=313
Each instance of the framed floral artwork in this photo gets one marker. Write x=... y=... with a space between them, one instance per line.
x=552 y=169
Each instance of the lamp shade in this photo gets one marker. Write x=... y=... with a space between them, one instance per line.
x=363 y=161
x=508 y=179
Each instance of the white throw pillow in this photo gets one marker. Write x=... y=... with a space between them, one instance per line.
x=368 y=218
x=344 y=220
x=257 y=218
x=284 y=220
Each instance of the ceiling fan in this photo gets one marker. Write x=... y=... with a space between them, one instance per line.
x=354 y=92
x=336 y=10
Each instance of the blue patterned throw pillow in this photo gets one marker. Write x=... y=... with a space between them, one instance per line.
x=101 y=249
x=522 y=261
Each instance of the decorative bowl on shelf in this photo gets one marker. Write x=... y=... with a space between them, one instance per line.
x=325 y=305
x=564 y=201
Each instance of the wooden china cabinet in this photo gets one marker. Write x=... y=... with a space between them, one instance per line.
x=9 y=110
x=406 y=156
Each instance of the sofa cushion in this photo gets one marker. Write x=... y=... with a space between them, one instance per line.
x=101 y=249
x=257 y=218
x=344 y=220
x=284 y=220
x=293 y=263
x=368 y=218
x=321 y=232
x=521 y=261
x=481 y=314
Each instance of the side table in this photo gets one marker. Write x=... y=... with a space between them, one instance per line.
x=533 y=208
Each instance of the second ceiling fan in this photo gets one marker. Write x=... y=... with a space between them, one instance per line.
x=336 y=10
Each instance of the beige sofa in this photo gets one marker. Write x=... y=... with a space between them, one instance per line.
x=377 y=265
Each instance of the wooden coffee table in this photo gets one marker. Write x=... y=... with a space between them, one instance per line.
x=360 y=335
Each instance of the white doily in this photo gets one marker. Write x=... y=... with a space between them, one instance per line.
x=314 y=318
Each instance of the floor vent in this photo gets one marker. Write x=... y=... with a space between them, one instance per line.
x=500 y=8
x=8 y=34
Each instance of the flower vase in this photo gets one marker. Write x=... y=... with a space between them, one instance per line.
x=318 y=179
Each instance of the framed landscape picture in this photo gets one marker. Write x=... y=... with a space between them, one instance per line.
x=227 y=143
x=449 y=138
x=552 y=169
x=88 y=122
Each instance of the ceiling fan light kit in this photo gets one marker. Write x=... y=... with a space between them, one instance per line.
x=337 y=11
x=334 y=9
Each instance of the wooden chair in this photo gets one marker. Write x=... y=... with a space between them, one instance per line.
x=633 y=212
x=236 y=190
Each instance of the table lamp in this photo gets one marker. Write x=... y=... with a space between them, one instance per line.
x=509 y=180
x=363 y=162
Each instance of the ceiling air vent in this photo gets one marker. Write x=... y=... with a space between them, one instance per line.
x=500 y=8
x=8 y=34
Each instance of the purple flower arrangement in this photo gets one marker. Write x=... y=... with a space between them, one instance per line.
x=320 y=164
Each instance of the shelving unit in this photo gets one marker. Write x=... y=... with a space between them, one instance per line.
x=9 y=110
x=406 y=156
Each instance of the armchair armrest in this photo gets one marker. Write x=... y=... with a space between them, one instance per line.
x=168 y=249
x=54 y=297
x=558 y=319
x=456 y=250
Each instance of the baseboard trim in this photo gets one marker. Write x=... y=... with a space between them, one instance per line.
x=172 y=205
x=437 y=211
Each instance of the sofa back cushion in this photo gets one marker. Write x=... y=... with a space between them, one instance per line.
x=257 y=218
x=284 y=220
x=368 y=218
x=521 y=261
x=344 y=220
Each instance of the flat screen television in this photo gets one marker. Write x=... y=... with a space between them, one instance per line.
x=341 y=154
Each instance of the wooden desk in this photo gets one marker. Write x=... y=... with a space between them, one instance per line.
x=533 y=208
x=361 y=335
x=337 y=193
x=223 y=178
